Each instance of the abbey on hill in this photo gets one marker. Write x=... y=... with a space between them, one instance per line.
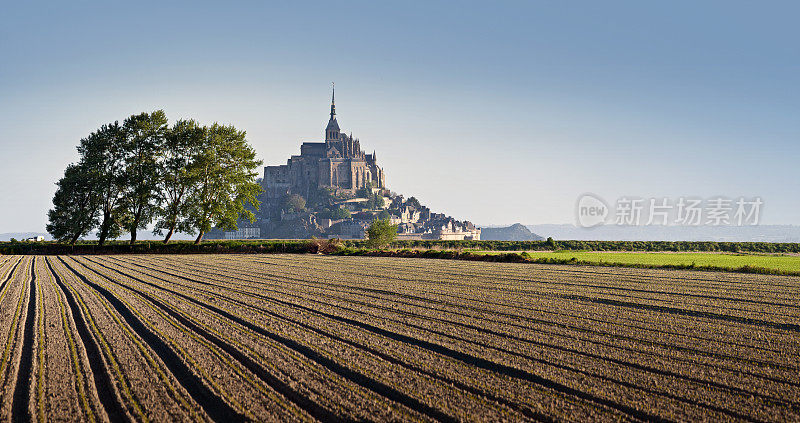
x=333 y=189
x=338 y=164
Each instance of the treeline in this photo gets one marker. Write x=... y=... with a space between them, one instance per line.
x=184 y=178
x=550 y=244
x=158 y=247
x=441 y=249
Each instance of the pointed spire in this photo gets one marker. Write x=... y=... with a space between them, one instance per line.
x=332 y=131
x=333 y=100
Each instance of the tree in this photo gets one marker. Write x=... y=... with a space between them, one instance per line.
x=182 y=145
x=384 y=215
x=225 y=172
x=365 y=191
x=413 y=202
x=373 y=202
x=102 y=156
x=340 y=213
x=144 y=142
x=381 y=233
x=320 y=197
x=76 y=205
x=294 y=203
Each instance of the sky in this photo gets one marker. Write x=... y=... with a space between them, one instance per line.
x=496 y=112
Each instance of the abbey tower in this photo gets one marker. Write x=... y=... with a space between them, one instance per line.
x=338 y=164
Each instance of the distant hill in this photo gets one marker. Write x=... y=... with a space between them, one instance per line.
x=515 y=232
x=759 y=233
x=22 y=235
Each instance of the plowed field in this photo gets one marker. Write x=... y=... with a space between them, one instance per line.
x=306 y=337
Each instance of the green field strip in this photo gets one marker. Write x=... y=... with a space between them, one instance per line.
x=521 y=272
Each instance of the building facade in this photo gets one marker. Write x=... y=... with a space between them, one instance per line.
x=339 y=163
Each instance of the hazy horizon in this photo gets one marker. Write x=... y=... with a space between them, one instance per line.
x=496 y=113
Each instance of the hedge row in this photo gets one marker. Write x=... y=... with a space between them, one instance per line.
x=156 y=247
x=313 y=246
x=733 y=247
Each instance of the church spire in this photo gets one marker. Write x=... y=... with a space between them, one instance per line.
x=333 y=100
x=332 y=131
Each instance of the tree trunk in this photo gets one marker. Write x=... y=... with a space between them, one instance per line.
x=169 y=234
x=199 y=238
x=74 y=239
x=134 y=226
x=104 y=229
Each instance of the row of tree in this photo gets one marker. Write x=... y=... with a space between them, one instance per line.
x=185 y=178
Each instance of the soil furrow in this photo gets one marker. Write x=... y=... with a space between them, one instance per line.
x=104 y=385
x=258 y=337
x=213 y=405
x=479 y=393
x=307 y=352
x=478 y=362
x=20 y=408
x=515 y=317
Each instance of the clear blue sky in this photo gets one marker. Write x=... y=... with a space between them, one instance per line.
x=497 y=112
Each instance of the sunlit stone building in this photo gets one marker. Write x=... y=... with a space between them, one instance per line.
x=338 y=163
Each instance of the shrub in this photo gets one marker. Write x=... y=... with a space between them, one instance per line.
x=340 y=213
x=381 y=233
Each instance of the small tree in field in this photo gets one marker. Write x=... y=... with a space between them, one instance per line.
x=381 y=233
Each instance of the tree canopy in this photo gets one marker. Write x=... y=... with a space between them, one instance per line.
x=143 y=148
x=294 y=203
x=187 y=178
x=75 y=205
x=381 y=232
x=225 y=171
x=178 y=175
x=103 y=156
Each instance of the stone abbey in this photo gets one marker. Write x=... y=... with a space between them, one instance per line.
x=339 y=163
x=334 y=190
